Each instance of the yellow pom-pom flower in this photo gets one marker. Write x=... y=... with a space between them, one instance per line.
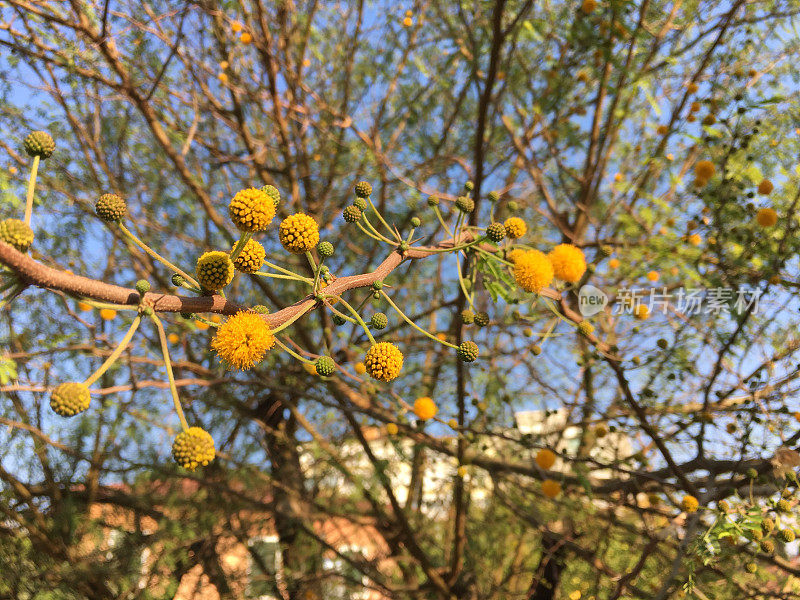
x=641 y=312
x=69 y=399
x=695 y=239
x=765 y=187
x=193 y=448
x=653 y=276
x=515 y=227
x=545 y=458
x=107 y=314
x=299 y=233
x=251 y=210
x=613 y=263
x=425 y=408
x=533 y=271
x=551 y=488
x=243 y=340
x=360 y=368
x=17 y=233
x=214 y=270
x=568 y=262
x=704 y=169
x=392 y=429
x=384 y=361
x=690 y=504
x=766 y=217
x=251 y=258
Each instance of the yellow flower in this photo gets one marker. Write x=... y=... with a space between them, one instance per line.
x=690 y=504
x=515 y=227
x=695 y=239
x=704 y=170
x=223 y=78
x=551 y=488
x=299 y=233
x=246 y=38
x=766 y=217
x=462 y=471
x=236 y=26
x=173 y=338
x=408 y=21
x=653 y=276
x=201 y=325
x=568 y=262
x=425 y=408
x=588 y=6
x=392 y=429
x=613 y=263
x=243 y=340
x=83 y=307
x=192 y=448
x=108 y=313
x=69 y=399
x=214 y=270
x=251 y=258
x=692 y=88
x=251 y=210
x=384 y=361
x=765 y=187
x=641 y=312
x=545 y=458
x=360 y=368
x=533 y=271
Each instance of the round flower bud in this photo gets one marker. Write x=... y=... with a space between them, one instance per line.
x=272 y=192
x=363 y=189
x=379 y=321
x=433 y=201
x=325 y=366
x=481 y=319
x=260 y=309
x=767 y=525
x=513 y=206
x=142 y=286
x=494 y=196
x=251 y=258
x=39 y=143
x=551 y=488
x=704 y=170
x=767 y=546
x=351 y=214
x=325 y=249
x=469 y=186
x=786 y=535
x=585 y=328
x=751 y=567
x=384 y=361
x=468 y=351
x=783 y=506
x=545 y=458
x=298 y=233
x=193 y=448
x=16 y=233
x=536 y=350
x=111 y=208
x=251 y=210
x=415 y=222
x=496 y=232
x=606 y=250
x=178 y=280
x=467 y=316
x=69 y=399
x=465 y=204
x=765 y=187
x=214 y=270
x=360 y=203
x=515 y=227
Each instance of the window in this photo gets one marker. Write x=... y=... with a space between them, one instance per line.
x=264 y=562
x=346 y=581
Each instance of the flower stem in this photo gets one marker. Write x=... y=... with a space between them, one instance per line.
x=358 y=318
x=31 y=188
x=157 y=256
x=287 y=323
x=382 y=220
x=116 y=353
x=237 y=250
x=293 y=353
x=414 y=325
x=172 y=387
